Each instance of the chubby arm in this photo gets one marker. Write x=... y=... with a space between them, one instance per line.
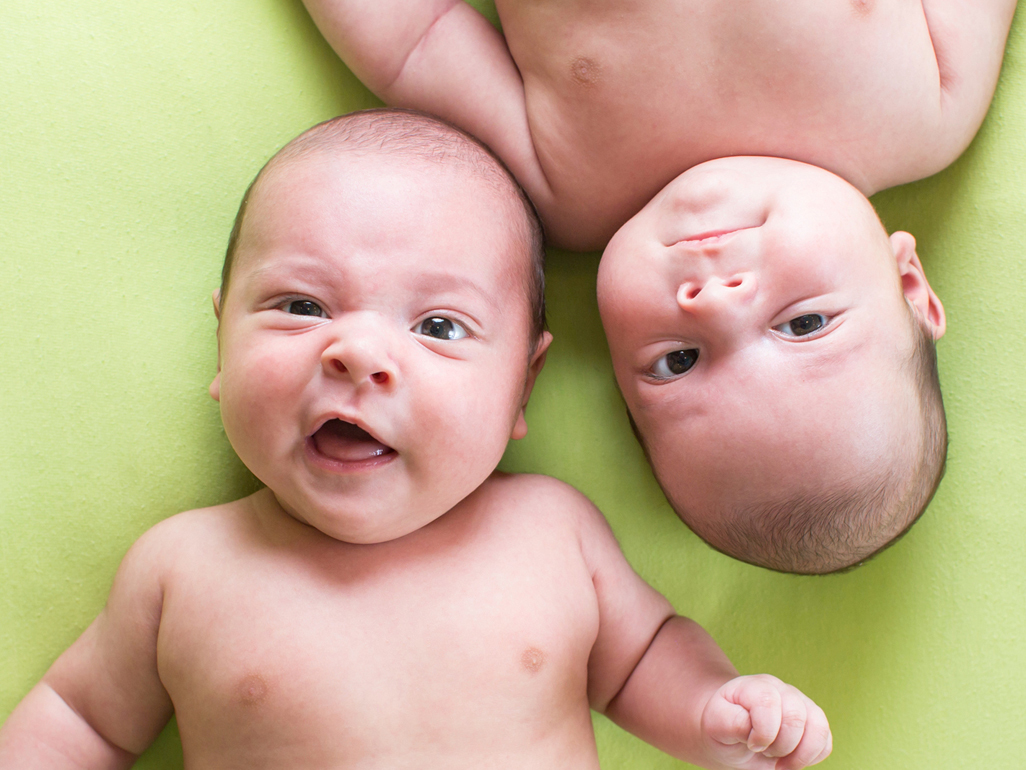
x=663 y=678
x=101 y=703
x=443 y=57
x=968 y=39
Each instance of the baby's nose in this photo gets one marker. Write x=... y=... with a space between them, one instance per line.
x=362 y=356
x=359 y=373
x=716 y=292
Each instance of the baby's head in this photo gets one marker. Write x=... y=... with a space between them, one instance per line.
x=776 y=352
x=381 y=322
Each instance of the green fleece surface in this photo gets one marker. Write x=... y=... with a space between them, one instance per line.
x=129 y=132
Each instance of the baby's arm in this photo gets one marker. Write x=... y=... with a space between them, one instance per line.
x=443 y=57
x=101 y=703
x=663 y=678
x=968 y=39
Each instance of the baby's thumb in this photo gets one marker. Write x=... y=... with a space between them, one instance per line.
x=726 y=722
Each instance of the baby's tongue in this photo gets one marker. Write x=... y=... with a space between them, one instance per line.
x=346 y=442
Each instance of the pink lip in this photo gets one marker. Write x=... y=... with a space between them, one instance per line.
x=341 y=445
x=713 y=236
x=319 y=459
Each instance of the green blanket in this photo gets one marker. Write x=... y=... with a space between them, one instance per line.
x=129 y=132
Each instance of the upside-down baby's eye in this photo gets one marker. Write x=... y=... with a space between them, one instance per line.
x=802 y=325
x=674 y=364
x=440 y=328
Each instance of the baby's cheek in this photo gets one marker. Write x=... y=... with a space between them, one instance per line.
x=253 y=408
x=465 y=433
x=268 y=374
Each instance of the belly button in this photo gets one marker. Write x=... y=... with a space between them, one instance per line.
x=584 y=71
x=532 y=659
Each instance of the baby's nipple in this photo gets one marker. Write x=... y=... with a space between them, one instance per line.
x=862 y=8
x=584 y=71
x=532 y=659
x=252 y=689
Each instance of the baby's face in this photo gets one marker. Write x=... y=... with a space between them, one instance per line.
x=374 y=340
x=759 y=334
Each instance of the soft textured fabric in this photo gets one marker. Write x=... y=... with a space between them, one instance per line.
x=129 y=132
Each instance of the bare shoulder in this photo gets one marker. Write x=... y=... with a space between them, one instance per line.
x=188 y=534
x=535 y=486
x=542 y=495
x=111 y=675
x=550 y=504
x=177 y=530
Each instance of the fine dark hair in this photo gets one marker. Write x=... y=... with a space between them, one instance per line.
x=838 y=529
x=417 y=135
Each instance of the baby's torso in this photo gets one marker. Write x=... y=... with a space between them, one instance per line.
x=624 y=96
x=467 y=640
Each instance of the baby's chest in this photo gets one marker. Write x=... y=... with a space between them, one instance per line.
x=360 y=660
x=658 y=67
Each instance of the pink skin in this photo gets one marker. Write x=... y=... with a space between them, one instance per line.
x=595 y=106
x=478 y=637
x=720 y=262
x=364 y=426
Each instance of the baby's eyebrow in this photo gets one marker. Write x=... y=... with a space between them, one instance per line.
x=426 y=283
x=308 y=270
x=442 y=282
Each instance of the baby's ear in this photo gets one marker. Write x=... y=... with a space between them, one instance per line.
x=915 y=286
x=535 y=366
x=215 y=385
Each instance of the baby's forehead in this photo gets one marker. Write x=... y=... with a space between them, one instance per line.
x=758 y=451
x=396 y=185
x=443 y=173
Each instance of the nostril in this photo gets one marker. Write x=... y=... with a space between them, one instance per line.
x=380 y=377
x=339 y=365
x=693 y=292
x=733 y=284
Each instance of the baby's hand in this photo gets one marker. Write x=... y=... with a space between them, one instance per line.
x=761 y=723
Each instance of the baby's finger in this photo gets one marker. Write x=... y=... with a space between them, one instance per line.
x=815 y=745
x=727 y=723
x=759 y=694
x=792 y=723
x=728 y=726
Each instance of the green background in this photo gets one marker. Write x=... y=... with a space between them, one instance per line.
x=129 y=132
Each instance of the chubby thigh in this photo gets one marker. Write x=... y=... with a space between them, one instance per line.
x=467 y=639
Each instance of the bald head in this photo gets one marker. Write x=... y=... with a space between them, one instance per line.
x=420 y=138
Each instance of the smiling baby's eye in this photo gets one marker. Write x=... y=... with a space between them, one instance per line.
x=441 y=329
x=802 y=325
x=304 y=307
x=674 y=364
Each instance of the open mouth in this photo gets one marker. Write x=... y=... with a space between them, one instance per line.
x=347 y=443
